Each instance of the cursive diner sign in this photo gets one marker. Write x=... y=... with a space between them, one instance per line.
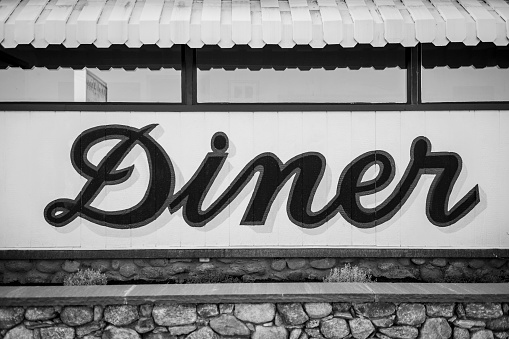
x=305 y=171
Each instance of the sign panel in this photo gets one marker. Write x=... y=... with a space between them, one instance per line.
x=90 y=180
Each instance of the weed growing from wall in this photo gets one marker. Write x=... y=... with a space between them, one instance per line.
x=349 y=273
x=85 y=277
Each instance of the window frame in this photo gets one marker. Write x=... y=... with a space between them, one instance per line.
x=413 y=61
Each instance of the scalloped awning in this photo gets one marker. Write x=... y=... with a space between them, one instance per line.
x=255 y=23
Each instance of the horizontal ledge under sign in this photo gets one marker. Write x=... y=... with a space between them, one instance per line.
x=133 y=180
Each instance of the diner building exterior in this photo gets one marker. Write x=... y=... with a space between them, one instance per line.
x=157 y=140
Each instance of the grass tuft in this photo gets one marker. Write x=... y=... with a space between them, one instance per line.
x=349 y=273
x=86 y=277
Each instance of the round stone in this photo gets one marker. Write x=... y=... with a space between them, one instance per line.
x=11 y=316
x=174 y=315
x=180 y=330
x=226 y=308
x=455 y=273
x=404 y=261
x=20 y=332
x=384 y=322
x=71 y=266
x=439 y=262
x=334 y=328
x=483 y=310
x=98 y=312
x=203 y=333
x=431 y=273
x=398 y=272
x=121 y=315
x=144 y=325
x=318 y=310
x=482 y=334
x=296 y=263
x=146 y=310
x=468 y=324
x=58 y=278
x=18 y=265
x=278 y=265
x=86 y=329
x=323 y=264
x=228 y=325
x=440 y=310
x=436 y=328
x=270 y=332
x=77 y=315
x=141 y=262
x=418 y=261
x=255 y=267
x=48 y=266
x=292 y=313
x=113 y=332
x=57 y=332
x=361 y=328
x=115 y=264
x=461 y=333
x=375 y=310
x=400 y=332
x=386 y=265
x=100 y=265
x=499 y=324
x=295 y=333
x=476 y=263
x=341 y=307
x=255 y=313
x=36 y=277
x=410 y=314
x=158 y=262
x=128 y=269
x=40 y=313
x=497 y=263
x=159 y=335
x=152 y=273
x=207 y=310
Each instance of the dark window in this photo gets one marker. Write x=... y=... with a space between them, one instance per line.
x=303 y=74
x=87 y=73
x=459 y=73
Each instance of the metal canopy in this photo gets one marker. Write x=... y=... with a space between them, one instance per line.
x=255 y=23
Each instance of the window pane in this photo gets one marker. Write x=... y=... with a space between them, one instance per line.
x=458 y=73
x=275 y=75
x=67 y=85
x=465 y=84
x=89 y=74
x=293 y=85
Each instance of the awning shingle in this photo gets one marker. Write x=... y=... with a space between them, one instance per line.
x=256 y=23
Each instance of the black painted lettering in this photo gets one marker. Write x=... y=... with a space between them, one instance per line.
x=306 y=169
x=160 y=188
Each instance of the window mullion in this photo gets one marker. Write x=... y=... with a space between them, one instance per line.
x=188 y=75
x=413 y=59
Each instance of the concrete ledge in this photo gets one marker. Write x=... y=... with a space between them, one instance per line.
x=255 y=292
x=258 y=253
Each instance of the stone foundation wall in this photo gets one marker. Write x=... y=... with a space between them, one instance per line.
x=256 y=269
x=381 y=320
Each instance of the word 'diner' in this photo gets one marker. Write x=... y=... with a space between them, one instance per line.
x=306 y=169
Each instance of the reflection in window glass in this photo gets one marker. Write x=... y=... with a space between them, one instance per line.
x=68 y=85
x=465 y=84
x=459 y=73
x=294 y=85
x=301 y=74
